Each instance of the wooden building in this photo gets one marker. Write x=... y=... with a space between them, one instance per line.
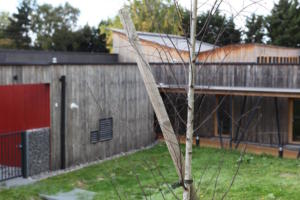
x=231 y=86
x=252 y=53
x=254 y=103
x=96 y=111
x=173 y=49
x=245 y=92
x=157 y=47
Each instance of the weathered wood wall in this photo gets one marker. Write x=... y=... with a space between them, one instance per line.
x=250 y=75
x=263 y=128
x=152 y=52
x=249 y=53
x=122 y=95
x=118 y=90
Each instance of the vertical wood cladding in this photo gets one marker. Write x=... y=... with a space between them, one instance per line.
x=102 y=91
x=263 y=129
x=92 y=92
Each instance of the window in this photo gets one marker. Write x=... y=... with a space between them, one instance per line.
x=105 y=131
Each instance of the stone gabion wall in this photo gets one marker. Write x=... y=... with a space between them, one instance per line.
x=37 y=151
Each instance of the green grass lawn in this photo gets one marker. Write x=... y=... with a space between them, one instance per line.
x=259 y=177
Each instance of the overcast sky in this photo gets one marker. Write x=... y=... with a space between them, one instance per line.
x=93 y=11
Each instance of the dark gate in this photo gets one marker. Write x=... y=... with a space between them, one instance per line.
x=11 y=154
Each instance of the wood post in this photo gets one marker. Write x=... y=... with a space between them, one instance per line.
x=63 y=123
x=154 y=95
x=280 y=148
x=231 y=121
x=219 y=124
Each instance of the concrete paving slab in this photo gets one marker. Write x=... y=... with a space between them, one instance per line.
x=76 y=194
x=15 y=182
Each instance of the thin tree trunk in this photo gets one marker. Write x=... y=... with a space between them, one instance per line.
x=188 y=179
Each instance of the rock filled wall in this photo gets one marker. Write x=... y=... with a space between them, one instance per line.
x=37 y=151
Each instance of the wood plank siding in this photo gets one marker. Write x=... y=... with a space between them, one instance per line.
x=120 y=94
x=263 y=127
x=100 y=91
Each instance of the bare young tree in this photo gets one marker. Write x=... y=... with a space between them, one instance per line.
x=158 y=104
x=188 y=180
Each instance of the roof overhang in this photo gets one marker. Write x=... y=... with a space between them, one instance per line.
x=235 y=91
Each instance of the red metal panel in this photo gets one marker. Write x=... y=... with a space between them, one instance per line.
x=22 y=107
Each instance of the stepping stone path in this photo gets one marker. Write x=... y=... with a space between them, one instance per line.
x=76 y=194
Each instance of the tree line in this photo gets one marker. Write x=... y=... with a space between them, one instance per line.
x=280 y=27
x=55 y=28
x=45 y=27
